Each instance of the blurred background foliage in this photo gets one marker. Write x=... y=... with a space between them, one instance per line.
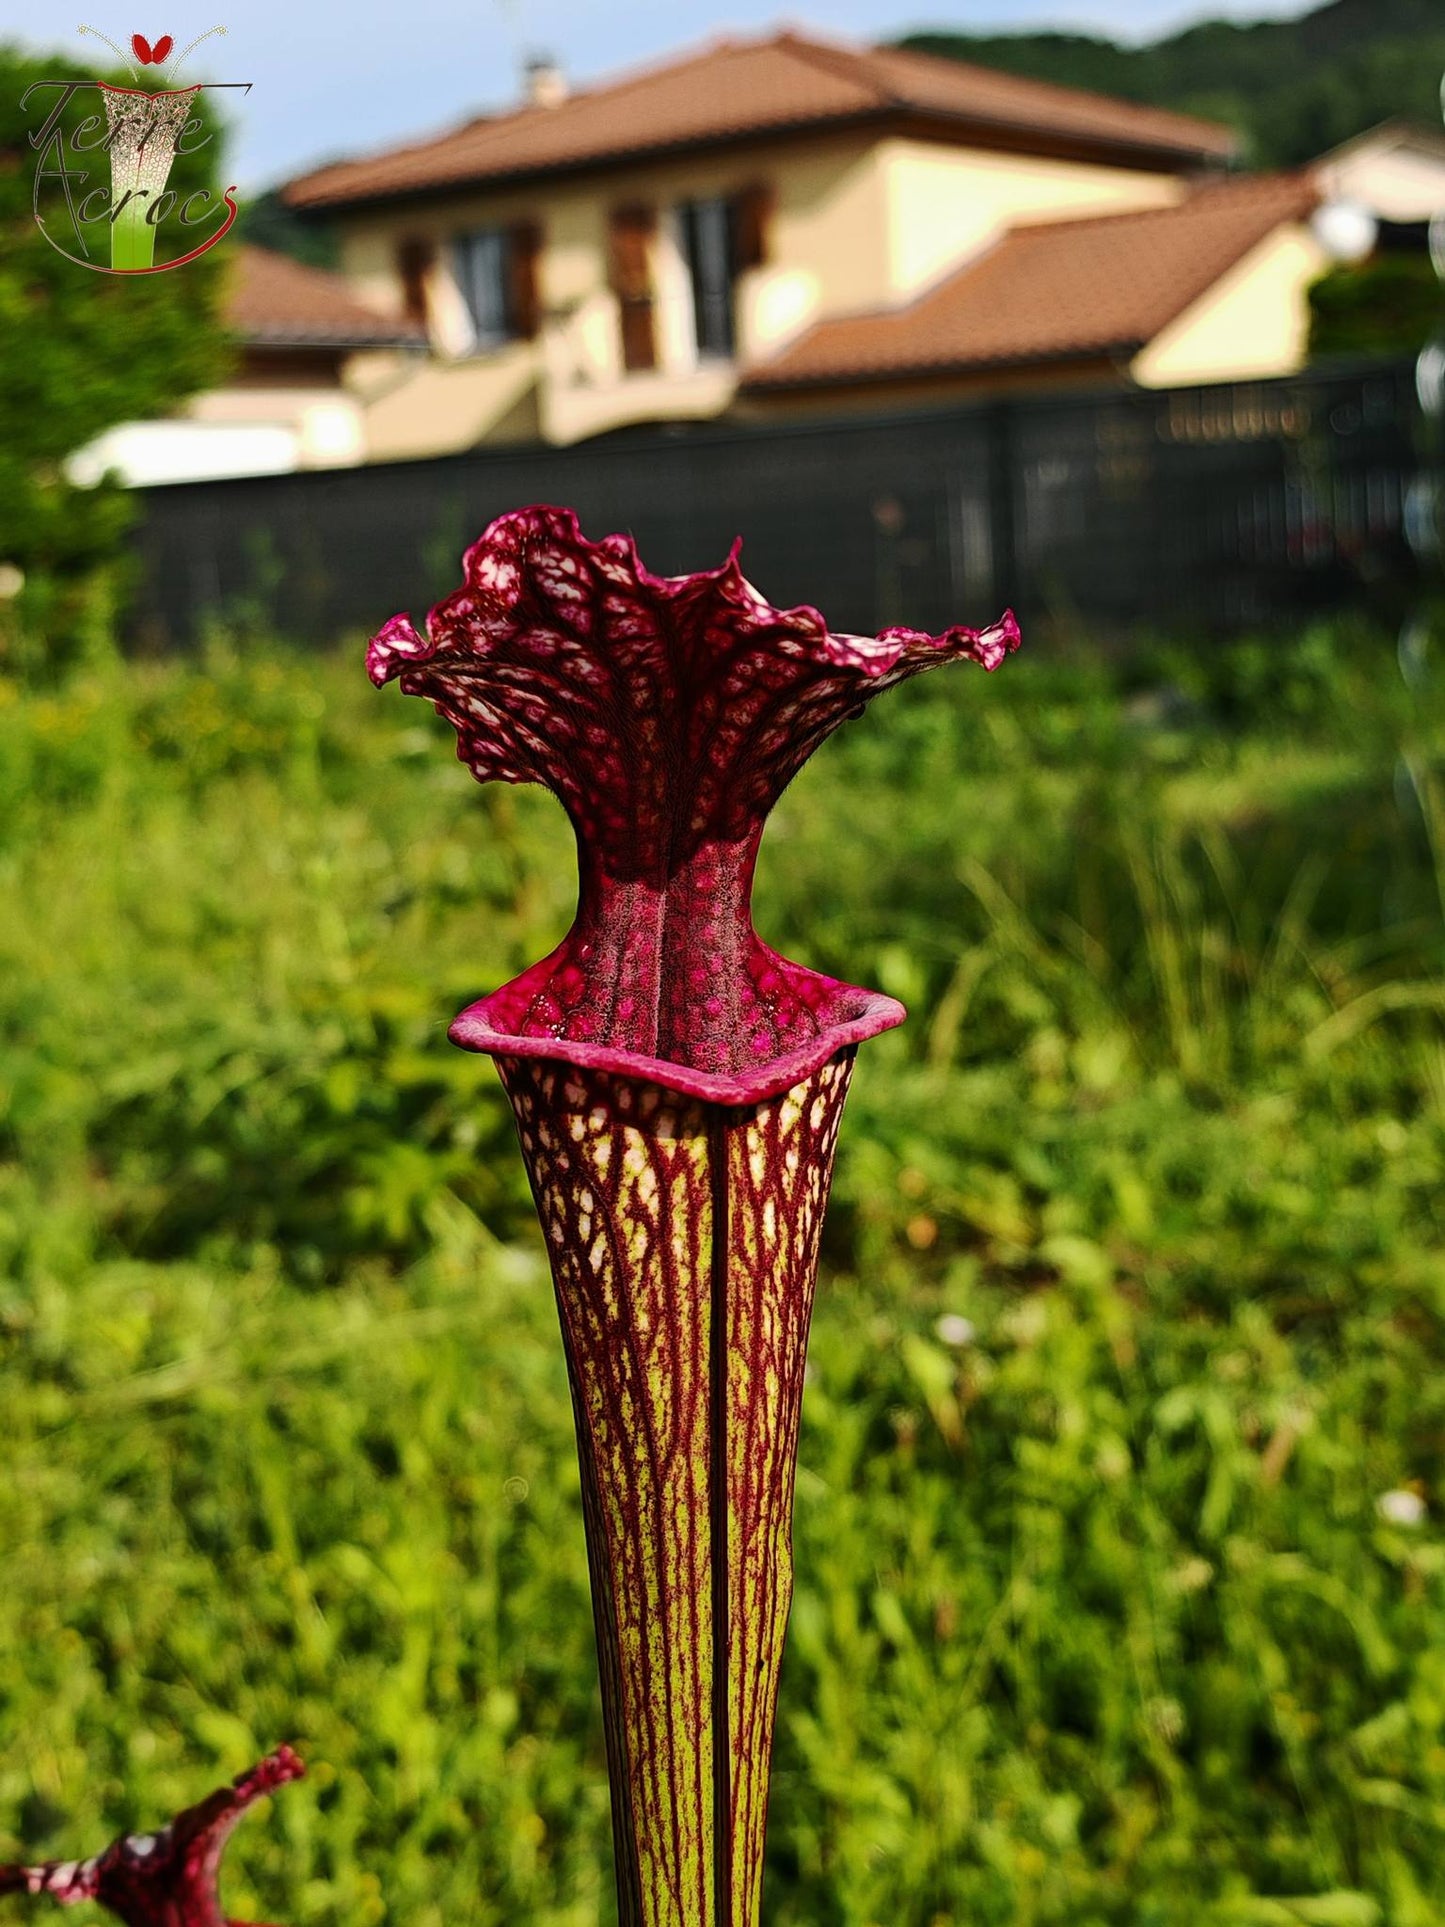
x=1293 y=88
x=1119 y=1522
x=1391 y=304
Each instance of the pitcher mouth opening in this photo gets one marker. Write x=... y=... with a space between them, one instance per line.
x=667 y=714
x=851 y=1015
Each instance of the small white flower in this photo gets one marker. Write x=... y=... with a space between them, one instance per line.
x=954 y=1329
x=1401 y=1508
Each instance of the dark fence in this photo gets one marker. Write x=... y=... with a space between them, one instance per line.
x=1183 y=510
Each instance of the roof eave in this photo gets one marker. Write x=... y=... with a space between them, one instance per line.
x=961 y=129
x=616 y=163
x=340 y=341
x=1119 y=150
x=923 y=370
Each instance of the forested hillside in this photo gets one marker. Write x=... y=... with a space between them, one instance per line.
x=1293 y=87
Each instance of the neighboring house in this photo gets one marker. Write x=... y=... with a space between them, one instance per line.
x=656 y=249
x=1395 y=170
x=304 y=341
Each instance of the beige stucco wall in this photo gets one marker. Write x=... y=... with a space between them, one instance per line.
x=328 y=424
x=829 y=253
x=858 y=224
x=440 y=407
x=1254 y=321
x=573 y=414
x=257 y=429
x=946 y=204
x=830 y=250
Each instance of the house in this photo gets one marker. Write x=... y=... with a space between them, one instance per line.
x=657 y=248
x=1396 y=171
x=789 y=224
x=303 y=341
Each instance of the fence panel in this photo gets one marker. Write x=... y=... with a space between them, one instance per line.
x=1186 y=510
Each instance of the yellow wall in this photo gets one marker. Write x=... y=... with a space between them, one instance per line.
x=1254 y=321
x=946 y=204
x=859 y=223
x=830 y=244
x=438 y=407
x=829 y=254
x=328 y=424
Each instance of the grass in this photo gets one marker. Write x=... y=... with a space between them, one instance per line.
x=1132 y=1311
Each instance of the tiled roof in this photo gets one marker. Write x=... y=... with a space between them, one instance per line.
x=734 y=89
x=1061 y=290
x=273 y=301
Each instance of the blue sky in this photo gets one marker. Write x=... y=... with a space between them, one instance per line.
x=328 y=82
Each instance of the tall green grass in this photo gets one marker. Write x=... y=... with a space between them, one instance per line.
x=1132 y=1313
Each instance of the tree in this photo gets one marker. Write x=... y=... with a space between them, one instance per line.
x=267 y=222
x=82 y=352
x=1291 y=88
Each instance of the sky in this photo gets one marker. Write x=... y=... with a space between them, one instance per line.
x=328 y=82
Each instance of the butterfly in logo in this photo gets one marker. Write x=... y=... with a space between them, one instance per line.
x=148 y=55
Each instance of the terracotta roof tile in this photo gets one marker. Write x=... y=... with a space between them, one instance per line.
x=955 y=87
x=733 y=89
x=275 y=301
x=1058 y=290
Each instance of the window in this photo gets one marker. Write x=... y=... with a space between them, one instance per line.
x=495 y=270
x=722 y=238
x=676 y=282
x=479 y=265
x=707 y=243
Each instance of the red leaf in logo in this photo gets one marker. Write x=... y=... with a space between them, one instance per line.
x=162 y=48
x=141 y=47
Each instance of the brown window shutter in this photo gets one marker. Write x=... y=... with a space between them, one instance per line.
x=752 y=224
x=524 y=298
x=629 y=248
x=414 y=257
